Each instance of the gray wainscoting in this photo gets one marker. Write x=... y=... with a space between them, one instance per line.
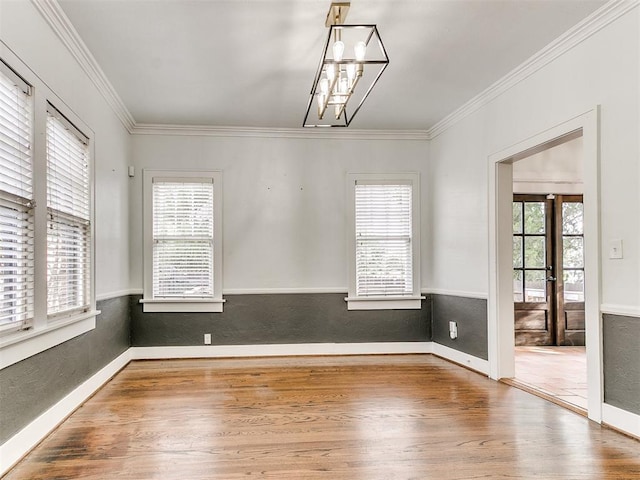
x=621 y=351
x=471 y=316
x=280 y=319
x=30 y=387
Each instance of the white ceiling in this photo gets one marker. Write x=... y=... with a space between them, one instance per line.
x=250 y=63
x=558 y=164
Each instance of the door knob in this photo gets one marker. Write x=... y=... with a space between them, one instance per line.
x=551 y=279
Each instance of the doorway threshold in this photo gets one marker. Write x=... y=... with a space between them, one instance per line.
x=513 y=382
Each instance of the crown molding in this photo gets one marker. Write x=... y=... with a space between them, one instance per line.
x=62 y=26
x=263 y=132
x=602 y=17
x=64 y=29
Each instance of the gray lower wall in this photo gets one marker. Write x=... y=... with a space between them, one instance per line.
x=621 y=352
x=471 y=316
x=280 y=319
x=28 y=388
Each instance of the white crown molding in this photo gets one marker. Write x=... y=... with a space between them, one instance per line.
x=60 y=23
x=573 y=37
x=62 y=26
x=263 y=132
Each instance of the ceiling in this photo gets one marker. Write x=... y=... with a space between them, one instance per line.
x=559 y=164
x=251 y=63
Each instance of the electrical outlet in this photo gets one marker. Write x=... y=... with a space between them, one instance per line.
x=207 y=339
x=453 y=330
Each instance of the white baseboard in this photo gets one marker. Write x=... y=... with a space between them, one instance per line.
x=218 y=351
x=621 y=420
x=21 y=443
x=461 y=358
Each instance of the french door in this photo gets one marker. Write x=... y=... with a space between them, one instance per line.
x=548 y=269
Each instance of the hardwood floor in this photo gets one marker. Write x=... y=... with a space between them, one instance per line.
x=557 y=372
x=365 y=417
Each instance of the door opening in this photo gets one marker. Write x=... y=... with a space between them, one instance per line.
x=502 y=165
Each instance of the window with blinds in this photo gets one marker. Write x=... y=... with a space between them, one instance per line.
x=16 y=202
x=68 y=217
x=183 y=245
x=383 y=229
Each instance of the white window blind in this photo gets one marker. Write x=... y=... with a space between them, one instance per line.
x=16 y=199
x=383 y=239
x=183 y=248
x=69 y=217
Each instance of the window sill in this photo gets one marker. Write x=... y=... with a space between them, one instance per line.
x=26 y=343
x=384 y=303
x=205 y=305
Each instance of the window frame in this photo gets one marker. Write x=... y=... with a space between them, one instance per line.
x=395 y=302
x=206 y=304
x=46 y=332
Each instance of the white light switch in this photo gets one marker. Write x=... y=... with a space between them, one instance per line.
x=615 y=249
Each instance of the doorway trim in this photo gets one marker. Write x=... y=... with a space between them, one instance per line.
x=500 y=300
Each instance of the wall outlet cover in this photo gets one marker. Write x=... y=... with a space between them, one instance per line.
x=615 y=249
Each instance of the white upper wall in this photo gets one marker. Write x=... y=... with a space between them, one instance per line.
x=24 y=31
x=602 y=70
x=284 y=222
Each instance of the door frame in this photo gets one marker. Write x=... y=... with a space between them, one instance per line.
x=500 y=301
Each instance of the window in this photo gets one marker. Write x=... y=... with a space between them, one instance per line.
x=183 y=250
x=68 y=217
x=46 y=240
x=16 y=203
x=384 y=242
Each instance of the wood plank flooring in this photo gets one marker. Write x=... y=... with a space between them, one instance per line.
x=558 y=372
x=364 y=417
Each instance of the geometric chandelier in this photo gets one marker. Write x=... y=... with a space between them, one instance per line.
x=352 y=62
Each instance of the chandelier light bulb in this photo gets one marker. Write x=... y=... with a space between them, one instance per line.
x=338 y=51
x=331 y=73
x=351 y=71
x=324 y=86
x=344 y=85
x=360 y=50
x=337 y=111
